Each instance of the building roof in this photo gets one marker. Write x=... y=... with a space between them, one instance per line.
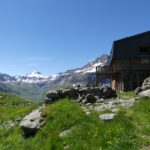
x=129 y=47
x=133 y=36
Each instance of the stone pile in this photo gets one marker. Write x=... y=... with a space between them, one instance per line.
x=144 y=91
x=112 y=105
x=82 y=95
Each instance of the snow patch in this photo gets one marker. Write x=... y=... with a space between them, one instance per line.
x=36 y=74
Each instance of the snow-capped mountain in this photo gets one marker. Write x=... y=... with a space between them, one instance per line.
x=91 y=67
x=32 y=78
x=70 y=75
x=36 y=74
x=6 y=78
x=84 y=75
x=35 y=84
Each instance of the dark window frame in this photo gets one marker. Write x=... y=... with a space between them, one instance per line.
x=144 y=50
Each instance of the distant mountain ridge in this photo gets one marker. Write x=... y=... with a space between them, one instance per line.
x=38 y=82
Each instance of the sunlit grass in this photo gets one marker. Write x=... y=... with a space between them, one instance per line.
x=126 y=95
x=128 y=131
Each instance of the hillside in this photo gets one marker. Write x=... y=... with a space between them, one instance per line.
x=29 y=92
x=11 y=106
x=68 y=127
x=12 y=109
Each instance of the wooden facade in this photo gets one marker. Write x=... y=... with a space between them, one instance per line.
x=129 y=64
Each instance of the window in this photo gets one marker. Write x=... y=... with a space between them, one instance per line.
x=144 y=50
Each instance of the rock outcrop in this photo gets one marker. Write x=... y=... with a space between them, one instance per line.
x=144 y=91
x=32 y=122
x=83 y=95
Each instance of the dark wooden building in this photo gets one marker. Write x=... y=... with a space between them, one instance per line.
x=129 y=62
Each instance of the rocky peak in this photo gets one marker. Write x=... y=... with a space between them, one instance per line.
x=35 y=74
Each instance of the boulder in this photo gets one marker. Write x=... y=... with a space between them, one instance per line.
x=59 y=92
x=48 y=100
x=84 y=91
x=90 y=98
x=33 y=122
x=145 y=93
x=96 y=91
x=108 y=92
x=52 y=94
x=70 y=93
x=107 y=117
x=138 y=90
x=146 y=84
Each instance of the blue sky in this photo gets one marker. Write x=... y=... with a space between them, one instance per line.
x=52 y=36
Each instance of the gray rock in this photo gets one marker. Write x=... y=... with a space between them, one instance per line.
x=84 y=91
x=48 y=100
x=80 y=98
x=138 y=90
x=65 y=133
x=52 y=94
x=101 y=100
x=145 y=93
x=90 y=98
x=146 y=87
x=127 y=103
x=32 y=122
x=96 y=91
x=59 y=92
x=146 y=84
x=107 y=117
x=88 y=104
x=108 y=92
x=84 y=101
x=70 y=93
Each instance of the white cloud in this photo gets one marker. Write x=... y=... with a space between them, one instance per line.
x=39 y=58
x=32 y=65
x=24 y=65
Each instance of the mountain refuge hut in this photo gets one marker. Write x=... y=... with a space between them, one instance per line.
x=129 y=63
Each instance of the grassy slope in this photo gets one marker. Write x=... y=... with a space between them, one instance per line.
x=31 y=92
x=128 y=131
x=7 y=113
